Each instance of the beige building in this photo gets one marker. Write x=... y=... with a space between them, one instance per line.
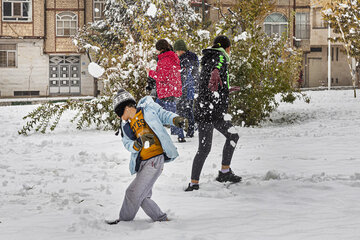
x=310 y=34
x=37 y=55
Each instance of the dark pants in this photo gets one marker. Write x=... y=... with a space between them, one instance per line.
x=185 y=109
x=205 y=142
x=171 y=107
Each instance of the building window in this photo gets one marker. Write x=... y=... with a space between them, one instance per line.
x=315 y=49
x=302 y=26
x=16 y=10
x=275 y=23
x=66 y=24
x=99 y=7
x=7 y=55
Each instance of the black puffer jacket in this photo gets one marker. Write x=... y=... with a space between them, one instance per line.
x=211 y=106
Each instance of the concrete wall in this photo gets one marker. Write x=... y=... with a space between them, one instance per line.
x=318 y=67
x=31 y=72
x=87 y=81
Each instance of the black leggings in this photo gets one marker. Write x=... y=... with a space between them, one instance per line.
x=205 y=142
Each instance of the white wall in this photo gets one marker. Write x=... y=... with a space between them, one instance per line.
x=31 y=72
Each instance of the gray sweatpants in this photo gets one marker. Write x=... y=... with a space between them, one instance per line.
x=138 y=194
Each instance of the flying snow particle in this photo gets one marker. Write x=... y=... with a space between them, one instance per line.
x=227 y=117
x=232 y=130
x=95 y=70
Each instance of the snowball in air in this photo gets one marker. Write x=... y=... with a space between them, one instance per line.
x=95 y=70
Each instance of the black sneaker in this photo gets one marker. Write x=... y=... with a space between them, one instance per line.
x=228 y=177
x=181 y=140
x=191 y=188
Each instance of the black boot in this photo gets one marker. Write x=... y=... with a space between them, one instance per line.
x=228 y=177
x=191 y=188
x=181 y=140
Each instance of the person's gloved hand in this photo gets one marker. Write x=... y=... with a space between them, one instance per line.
x=181 y=122
x=215 y=80
x=140 y=142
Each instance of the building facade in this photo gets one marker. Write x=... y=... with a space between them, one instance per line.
x=37 y=55
x=310 y=34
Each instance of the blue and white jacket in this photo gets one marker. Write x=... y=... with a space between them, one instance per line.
x=155 y=116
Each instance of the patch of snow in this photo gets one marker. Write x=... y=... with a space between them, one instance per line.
x=151 y=11
x=296 y=170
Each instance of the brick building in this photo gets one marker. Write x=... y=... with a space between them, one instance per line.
x=37 y=56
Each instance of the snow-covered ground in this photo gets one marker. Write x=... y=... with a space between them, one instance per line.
x=301 y=180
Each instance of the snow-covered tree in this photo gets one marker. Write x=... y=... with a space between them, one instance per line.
x=124 y=45
x=263 y=66
x=344 y=18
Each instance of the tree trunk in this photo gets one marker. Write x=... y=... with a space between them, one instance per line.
x=95 y=87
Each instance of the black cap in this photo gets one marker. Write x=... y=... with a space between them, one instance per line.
x=222 y=41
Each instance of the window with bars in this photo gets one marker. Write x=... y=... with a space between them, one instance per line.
x=99 y=7
x=275 y=23
x=302 y=25
x=7 y=55
x=66 y=24
x=16 y=10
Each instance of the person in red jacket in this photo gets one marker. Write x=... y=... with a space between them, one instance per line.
x=168 y=81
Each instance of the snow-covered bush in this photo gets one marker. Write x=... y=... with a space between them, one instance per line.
x=263 y=66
